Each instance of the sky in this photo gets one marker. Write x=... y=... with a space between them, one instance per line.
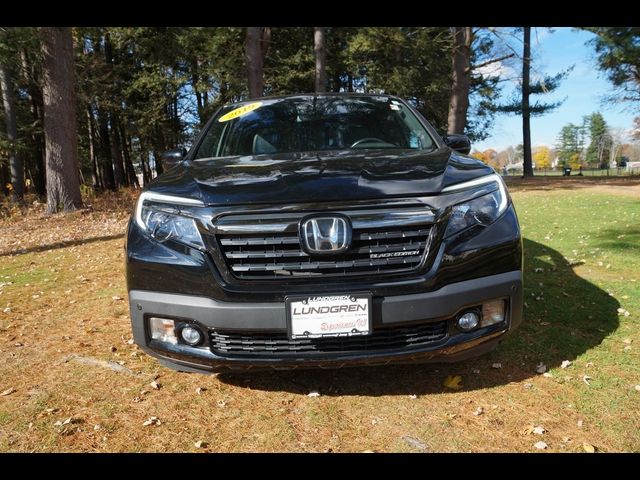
x=583 y=89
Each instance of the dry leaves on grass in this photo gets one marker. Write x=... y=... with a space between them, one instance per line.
x=8 y=391
x=33 y=229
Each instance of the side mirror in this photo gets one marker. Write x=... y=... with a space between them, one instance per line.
x=457 y=142
x=173 y=156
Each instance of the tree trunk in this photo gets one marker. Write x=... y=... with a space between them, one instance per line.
x=526 y=112
x=146 y=170
x=320 y=49
x=4 y=178
x=126 y=155
x=104 y=151
x=96 y=181
x=195 y=79
x=116 y=153
x=254 y=52
x=461 y=79
x=15 y=160
x=34 y=93
x=61 y=142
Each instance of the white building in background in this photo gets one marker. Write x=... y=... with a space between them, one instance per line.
x=518 y=166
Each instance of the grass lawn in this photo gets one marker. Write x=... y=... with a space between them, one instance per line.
x=71 y=381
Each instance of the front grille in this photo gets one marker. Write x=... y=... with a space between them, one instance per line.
x=264 y=253
x=265 y=344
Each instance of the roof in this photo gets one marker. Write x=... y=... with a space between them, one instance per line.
x=324 y=94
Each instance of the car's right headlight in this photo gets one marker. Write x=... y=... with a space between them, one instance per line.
x=159 y=215
x=482 y=210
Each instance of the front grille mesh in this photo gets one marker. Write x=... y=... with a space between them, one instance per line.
x=255 y=256
x=268 y=344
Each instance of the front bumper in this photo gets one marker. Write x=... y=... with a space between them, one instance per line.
x=401 y=310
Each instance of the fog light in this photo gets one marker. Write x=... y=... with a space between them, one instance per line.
x=492 y=312
x=163 y=330
x=468 y=321
x=191 y=335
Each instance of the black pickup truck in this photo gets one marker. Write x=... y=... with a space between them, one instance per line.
x=322 y=230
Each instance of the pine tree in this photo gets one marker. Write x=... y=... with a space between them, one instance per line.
x=523 y=106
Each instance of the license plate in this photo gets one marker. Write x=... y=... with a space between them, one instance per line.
x=319 y=316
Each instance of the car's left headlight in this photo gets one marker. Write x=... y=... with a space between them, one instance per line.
x=482 y=210
x=159 y=215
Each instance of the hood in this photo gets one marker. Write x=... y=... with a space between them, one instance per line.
x=319 y=176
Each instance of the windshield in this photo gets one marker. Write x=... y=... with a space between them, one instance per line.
x=312 y=123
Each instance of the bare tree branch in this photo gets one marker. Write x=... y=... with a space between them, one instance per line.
x=489 y=62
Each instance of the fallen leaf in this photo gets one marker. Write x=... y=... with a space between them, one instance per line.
x=538 y=430
x=540 y=445
x=415 y=442
x=496 y=365
x=313 y=394
x=413 y=396
x=112 y=348
x=528 y=386
x=580 y=423
x=368 y=451
x=479 y=411
x=117 y=298
x=8 y=391
x=547 y=375
x=221 y=403
x=637 y=387
x=68 y=421
x=476 y=370
x=565 y=364
x=541 y=368
x=201 y=444
x=587 y=447
x=566 y=439
x=155 y=385
x=151 y=421
x=199 y=390
x=627 y=341
x=586 y=378
x=454 y=382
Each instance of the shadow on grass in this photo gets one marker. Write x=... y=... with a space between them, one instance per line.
x=571 y=316
x=65 y=244
x=619 y=238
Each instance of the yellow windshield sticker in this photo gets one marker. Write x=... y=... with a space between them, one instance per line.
x=238 y=112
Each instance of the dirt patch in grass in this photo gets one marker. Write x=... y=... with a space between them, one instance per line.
x=76 y=383
x=610 y=185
